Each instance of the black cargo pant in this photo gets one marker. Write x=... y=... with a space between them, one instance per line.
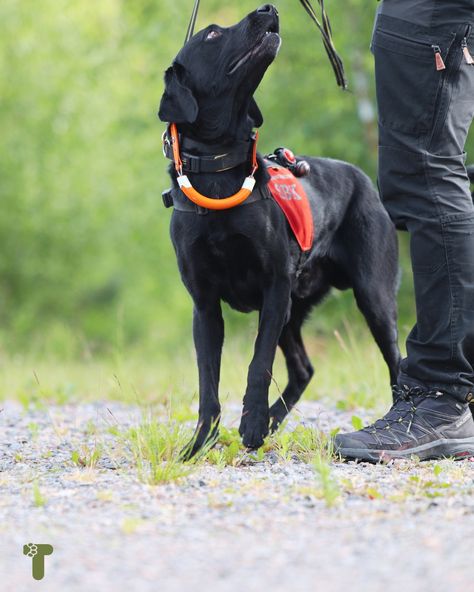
x=425 y=95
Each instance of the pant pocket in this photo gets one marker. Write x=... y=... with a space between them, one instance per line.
x=409 y=75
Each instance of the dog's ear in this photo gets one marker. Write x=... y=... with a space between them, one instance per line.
x=255 y=114
x=178 y=104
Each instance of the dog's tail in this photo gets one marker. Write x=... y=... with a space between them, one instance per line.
x=470 y=172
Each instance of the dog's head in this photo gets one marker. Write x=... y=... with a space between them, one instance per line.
x=209 y=88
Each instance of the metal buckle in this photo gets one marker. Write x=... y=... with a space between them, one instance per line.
x=166 y=144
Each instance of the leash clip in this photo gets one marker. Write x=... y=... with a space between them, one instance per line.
x=166 y=144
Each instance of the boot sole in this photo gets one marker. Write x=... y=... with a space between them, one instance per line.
x=454 y=448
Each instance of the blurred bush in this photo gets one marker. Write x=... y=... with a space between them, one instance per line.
x=85 y=255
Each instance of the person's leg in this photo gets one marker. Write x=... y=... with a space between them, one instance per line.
x=424 y=185
x=425 y=90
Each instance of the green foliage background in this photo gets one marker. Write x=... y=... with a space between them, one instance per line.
x=85 y=257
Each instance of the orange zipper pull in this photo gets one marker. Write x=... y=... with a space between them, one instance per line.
x=440 y=65
x=467 y=54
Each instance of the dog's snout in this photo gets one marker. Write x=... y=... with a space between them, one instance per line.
x=267 y=9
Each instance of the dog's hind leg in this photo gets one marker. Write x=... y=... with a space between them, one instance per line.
x=300 y=370
x=208 y=333
x=374 y=273
x=254 y=425
x=378 y=305
x=367 y=252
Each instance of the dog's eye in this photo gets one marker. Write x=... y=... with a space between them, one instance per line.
x=213 y=35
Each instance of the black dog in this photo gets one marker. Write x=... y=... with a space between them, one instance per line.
x=247 y=256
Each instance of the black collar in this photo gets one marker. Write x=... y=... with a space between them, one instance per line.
x=175 y=198
x=198 y=157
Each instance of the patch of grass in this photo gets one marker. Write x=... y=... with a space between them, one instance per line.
x=317 y=450
x=349 y=369
x=429 y=482
x=302 y=444
x=224 y=456
x=329 y=487
x=228 y=451
x=282 y=443
x=257 y=455
x=155 y=448
x=39 y=499
x=87 y=456
x=37 y=380
x=114 y=430
x=35 y=395
x=357 y=423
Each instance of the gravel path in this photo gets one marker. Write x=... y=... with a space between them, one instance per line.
x=406 y=526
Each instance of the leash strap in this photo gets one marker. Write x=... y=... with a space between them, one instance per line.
x=326 y=33
x=192 y=22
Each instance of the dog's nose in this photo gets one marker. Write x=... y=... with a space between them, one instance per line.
x=267 y=9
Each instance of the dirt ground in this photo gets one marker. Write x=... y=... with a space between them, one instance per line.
x=406 y=526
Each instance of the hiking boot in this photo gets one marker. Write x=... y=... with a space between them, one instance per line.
x=428 y=424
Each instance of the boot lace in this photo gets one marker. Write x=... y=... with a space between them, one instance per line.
x=404 y=409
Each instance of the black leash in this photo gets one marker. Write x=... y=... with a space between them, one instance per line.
x=324 y=29
x=192 y=22
x=326 y=33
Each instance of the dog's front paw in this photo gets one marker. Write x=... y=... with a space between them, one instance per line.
x=254 y=426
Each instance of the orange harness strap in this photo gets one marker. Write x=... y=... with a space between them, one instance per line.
x=208 y=202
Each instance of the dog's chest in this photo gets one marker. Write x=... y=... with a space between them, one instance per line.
x=237 y=269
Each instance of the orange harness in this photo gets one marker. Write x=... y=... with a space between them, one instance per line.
x=200 y=199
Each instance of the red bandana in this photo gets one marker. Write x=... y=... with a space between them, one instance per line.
x=289 y=194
